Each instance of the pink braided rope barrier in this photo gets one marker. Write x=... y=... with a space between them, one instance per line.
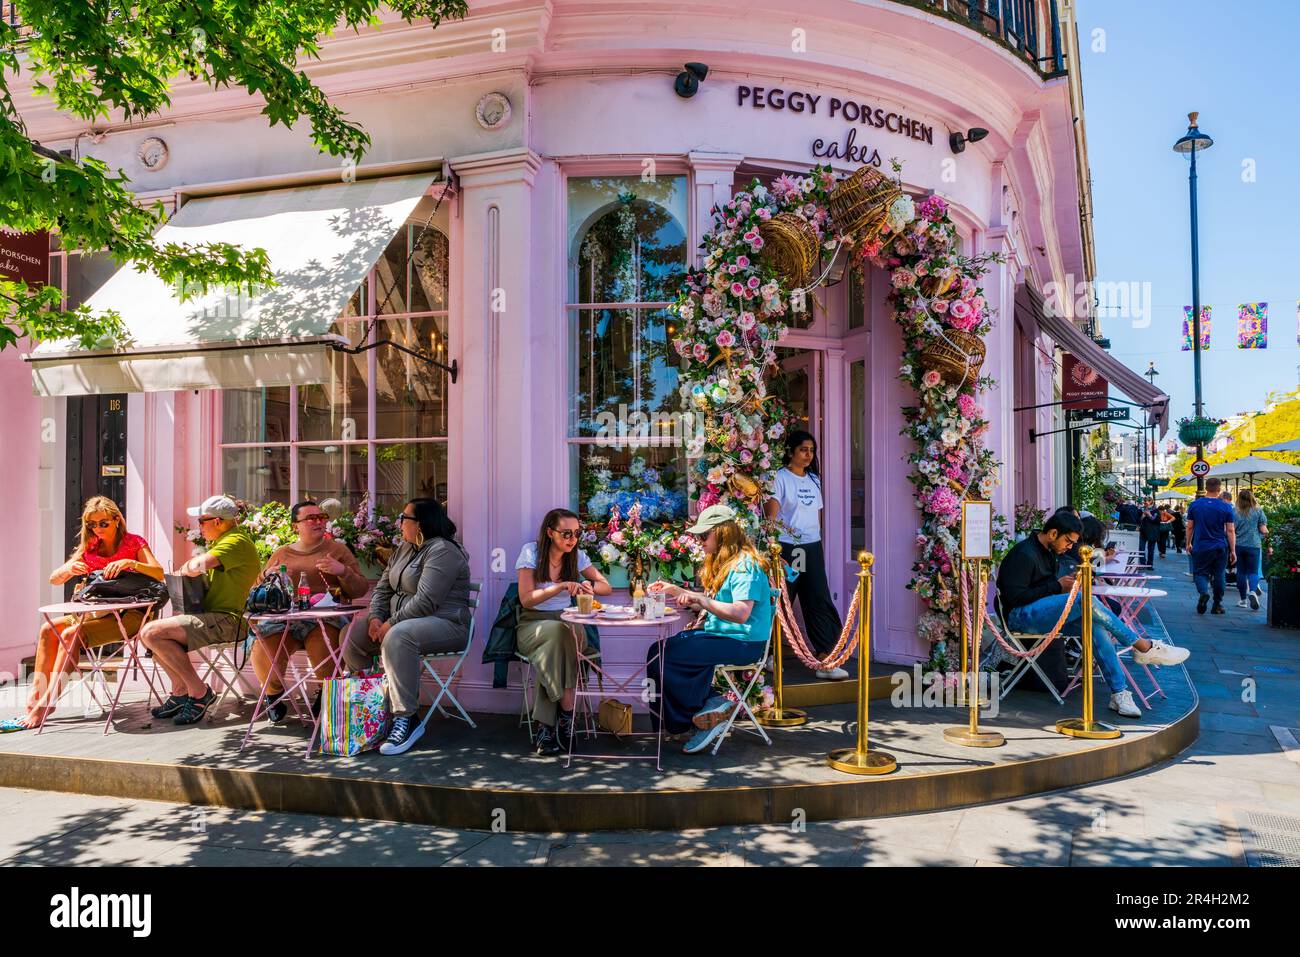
x=795 y=639
x=1039 y=646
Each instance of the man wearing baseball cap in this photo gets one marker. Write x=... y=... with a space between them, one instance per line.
x=231 y=566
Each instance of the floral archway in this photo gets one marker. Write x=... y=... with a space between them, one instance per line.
x=763 y=256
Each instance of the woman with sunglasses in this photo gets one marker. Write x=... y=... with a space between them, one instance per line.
x=420 y=607
x=315 y=556
x=552 y=570
x=104 y=546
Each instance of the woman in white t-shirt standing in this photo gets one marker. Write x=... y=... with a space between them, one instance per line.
x=552 y=570
x=796 y=503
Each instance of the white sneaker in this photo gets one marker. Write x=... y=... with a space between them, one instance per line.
x=832 y=674
x=1242 y=603
x=1161 y=653
x=1125 y=705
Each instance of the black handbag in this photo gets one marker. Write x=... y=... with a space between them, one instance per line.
x=269 y=596
x=128 y=586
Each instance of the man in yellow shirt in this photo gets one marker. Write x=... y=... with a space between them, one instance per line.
x=231 y=566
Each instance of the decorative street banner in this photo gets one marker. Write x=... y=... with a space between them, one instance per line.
x=1082 y=386
x=1297 y=321
x=1252 y=325
x=1205 y=327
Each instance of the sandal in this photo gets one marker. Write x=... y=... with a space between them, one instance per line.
x=12 y=724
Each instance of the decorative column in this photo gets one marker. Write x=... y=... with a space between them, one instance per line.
x=508 y=410
x=713 y=174
x=999 y=403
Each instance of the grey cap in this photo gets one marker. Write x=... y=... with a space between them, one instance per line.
x=712 y=517
x=218 y=506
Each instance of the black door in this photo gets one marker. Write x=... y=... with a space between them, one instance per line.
x=96 y=456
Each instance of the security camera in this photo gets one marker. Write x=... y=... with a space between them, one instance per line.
x=687 y=83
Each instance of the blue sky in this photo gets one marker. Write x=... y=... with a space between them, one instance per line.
x=1239 y=65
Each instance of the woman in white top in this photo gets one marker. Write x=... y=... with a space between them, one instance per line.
x=552 y=570
x=796 y=503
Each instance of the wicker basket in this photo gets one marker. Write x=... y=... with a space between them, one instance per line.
x=860 y=204
x=790 y=247
x=956 y=359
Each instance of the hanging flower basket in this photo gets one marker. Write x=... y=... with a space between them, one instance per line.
x=860 y=204
x=956 y=357
x=790 y=247
x=1197 y=431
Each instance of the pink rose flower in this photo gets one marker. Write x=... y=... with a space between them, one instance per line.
x=737 y=289
x=742 y=261
x=931 y=379
x=725 y=339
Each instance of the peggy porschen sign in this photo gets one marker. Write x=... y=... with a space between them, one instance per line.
x=848 y=111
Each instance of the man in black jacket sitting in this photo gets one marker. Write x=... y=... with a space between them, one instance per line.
x=1033 y=598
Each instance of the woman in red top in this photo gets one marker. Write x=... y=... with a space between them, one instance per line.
x=105 y=547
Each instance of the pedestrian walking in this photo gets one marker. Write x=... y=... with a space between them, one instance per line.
x=1251 y=525
x=1212 y=542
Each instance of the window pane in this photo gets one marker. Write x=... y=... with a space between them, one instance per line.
x=332 y=471
x=604 y=477
x=410 y=470
x=857 y=279
x=627 y=238
x=411 y=394
x=256 y=475
x=857 y=458
x=337 y=409
x=86 y=273
x=390 y=275
x=255 y=415
x=429 y=267
x=622 y=358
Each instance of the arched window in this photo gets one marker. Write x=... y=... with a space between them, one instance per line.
x=627 y=257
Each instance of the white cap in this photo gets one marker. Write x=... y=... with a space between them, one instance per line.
x=218 y=506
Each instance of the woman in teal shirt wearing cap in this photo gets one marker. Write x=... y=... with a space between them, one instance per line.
x=737 y=600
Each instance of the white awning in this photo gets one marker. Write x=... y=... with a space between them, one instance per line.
x=1074 y=341
x=320 y=240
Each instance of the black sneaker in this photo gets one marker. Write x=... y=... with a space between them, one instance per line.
x=277 y=710
x=1254 y=601
x=1217 y=609
x=170 y=707
x=406 y=731
x=547 y=742
x=1202 y=603
x=194 y=709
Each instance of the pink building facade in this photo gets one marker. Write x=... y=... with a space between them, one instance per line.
x=567 y=184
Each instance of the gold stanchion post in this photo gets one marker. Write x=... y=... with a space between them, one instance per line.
x=971 y=736
x=1086 y=727
x=779 y=716
x=861 y=760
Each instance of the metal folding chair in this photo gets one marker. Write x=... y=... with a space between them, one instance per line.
x=1023 y=643
x=458 y=657
x=730 y=674
x=218 y=657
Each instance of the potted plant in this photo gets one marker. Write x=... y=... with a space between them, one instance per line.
x=1282 y=568
x=1197 y=429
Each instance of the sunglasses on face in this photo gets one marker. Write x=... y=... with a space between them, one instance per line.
x=406 y=518
x=568 y=534
x=314 y=518
x=208 y=518
x=108 y=523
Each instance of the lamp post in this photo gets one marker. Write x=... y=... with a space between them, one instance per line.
x=1192 y=142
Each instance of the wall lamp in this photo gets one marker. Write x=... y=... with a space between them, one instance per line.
x=958 y=141
x=688 y=81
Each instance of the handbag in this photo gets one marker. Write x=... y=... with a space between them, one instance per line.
x=126 y=587
x=613 y=715
x=270 y=596
x=353 y=714
x=187 y=593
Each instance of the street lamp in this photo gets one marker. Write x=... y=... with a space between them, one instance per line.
x=1151 y=372
x=1190 y=144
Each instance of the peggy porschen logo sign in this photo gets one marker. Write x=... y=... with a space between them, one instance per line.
x=853 y=112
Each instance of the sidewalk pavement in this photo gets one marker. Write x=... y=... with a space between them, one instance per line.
x=1231 y=799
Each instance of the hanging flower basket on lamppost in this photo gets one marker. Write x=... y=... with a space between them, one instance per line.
x=1197 y=430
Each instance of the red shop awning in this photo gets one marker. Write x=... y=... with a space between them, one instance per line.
x=1076 y=342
